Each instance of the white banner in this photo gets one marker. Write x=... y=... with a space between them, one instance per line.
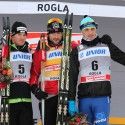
x=54 y=7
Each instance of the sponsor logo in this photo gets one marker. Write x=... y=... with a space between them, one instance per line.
x=17 y=56
x=95 y=73
x=21 y=56
x=100 y=117
x=100 y=51
x=101 y=120
x=54 y=54
x=52 y=68
x=54 y=78
x=19 y=76
x=96 y=51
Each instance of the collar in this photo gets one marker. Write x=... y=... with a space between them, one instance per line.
x=90 y=43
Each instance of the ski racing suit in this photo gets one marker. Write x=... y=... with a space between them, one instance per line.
x=92 y=61
x=51 y=78
x=20 y=91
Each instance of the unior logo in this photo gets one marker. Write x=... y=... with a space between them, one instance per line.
x=55 y=54
x=96 y=51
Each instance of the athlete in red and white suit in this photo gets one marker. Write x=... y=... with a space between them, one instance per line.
x=52 y=68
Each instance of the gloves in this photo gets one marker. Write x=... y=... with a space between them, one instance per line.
x=72 y=108
x=106 y=39
x=39 y=94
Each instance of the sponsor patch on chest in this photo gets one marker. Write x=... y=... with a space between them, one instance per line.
x=20 y=56
x=93 y=52
x=54 y=54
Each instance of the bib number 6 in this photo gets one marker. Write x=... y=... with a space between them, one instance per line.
x=94 y=65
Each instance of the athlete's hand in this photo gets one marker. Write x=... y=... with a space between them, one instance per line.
x=106 y=39
x=39 y=94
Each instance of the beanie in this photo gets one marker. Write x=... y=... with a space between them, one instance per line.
x=87 y=22
x=18 y=27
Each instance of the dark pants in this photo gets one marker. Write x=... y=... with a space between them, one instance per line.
x=51 y=110
x=21 y=114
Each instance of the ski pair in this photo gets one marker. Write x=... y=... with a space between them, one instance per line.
x=4 y=92
x=64 y=75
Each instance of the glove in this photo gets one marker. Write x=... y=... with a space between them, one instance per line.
x=106 y=39
x=72 y=108
x=39 y=94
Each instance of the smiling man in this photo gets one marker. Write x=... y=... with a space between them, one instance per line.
x=52 y=68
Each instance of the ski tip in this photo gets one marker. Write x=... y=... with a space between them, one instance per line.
x=66 y=18
x=8 y=23
x=71 y=20
x=4 y=23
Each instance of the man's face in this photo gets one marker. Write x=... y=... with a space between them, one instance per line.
x=55 y=37
x=89 y=33
x=19 y=39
